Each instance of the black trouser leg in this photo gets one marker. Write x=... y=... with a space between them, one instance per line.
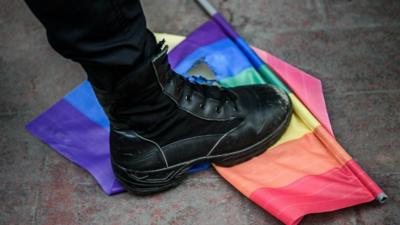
x=107 y=37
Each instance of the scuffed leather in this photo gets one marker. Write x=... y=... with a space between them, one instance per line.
x=138 y=143
x=266 y=108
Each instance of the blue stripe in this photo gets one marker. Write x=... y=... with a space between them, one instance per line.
x=255 y=60
x=223 y=57
x=85 y=101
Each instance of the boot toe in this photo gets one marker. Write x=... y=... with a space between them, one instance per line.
x=268 y=110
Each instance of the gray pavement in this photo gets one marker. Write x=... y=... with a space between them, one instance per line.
x=353 y=46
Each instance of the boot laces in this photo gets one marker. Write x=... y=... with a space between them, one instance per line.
x=220 y=94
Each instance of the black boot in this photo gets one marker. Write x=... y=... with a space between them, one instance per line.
x=162 y=124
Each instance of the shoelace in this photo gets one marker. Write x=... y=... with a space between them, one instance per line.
x=225 y=96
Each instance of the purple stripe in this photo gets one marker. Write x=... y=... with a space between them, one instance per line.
x=225 y=26
x=79 y=139
x=206 y=34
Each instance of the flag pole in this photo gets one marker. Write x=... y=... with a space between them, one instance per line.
x=265 y=71
x=270 y=77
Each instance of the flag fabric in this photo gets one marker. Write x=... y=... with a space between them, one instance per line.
x=305 y=172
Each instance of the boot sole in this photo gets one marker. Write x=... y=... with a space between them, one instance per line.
x=150 y=182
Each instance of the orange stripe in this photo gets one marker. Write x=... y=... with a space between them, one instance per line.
x=331 y=144
x=285 y=163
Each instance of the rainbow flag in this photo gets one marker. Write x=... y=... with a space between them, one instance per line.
x=305 y=172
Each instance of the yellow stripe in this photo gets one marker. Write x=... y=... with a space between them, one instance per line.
x=295 y=130
x=303 y=112
x=170 y=39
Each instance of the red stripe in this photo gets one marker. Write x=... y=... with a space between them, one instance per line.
x=335 y=189
x=364 y=178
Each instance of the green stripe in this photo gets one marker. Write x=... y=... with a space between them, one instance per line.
x=271 y=78
x=251 y=76
x=246 y=77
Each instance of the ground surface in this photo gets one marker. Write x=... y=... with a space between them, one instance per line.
x=353 y=46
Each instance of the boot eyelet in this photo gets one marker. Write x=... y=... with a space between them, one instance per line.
x=201 y=106
x=235 y=109
x=187 y=97
x=217 y=109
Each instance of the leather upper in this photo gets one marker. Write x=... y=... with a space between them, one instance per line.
x=159 y=119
